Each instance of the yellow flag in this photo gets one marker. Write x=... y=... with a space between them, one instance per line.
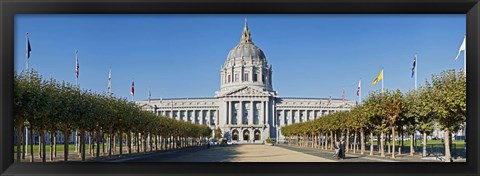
x=379 y=77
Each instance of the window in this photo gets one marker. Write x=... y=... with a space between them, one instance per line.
x=245 y=77
x=229 y=78
x=254 y=77
x=263 y=79
x=236 y=77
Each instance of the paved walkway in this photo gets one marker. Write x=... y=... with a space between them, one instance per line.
x=356 y=157
x=231 y=153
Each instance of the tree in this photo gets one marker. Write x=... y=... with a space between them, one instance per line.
x=394 y=106
x=218 y=133
x=449 y=90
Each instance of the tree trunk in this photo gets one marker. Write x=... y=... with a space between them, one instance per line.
x=326 y=141
x=98 y=142
x=120 y=141
x=24 y=137
x=43 y=146
x=103 y=143
x=79 y=144
x=110 y=143
x=382 y=152
x=39 y=145
x=412 y=150
x=157 y=142
x=424 y=144
x=92 y=144
x=137 y=142
x=393 y=142
x=82 y=144
x=371 y=143
x=66 y=141
x=19 y=141
x=51 y=146
x=331 y=140
x=129 y=141
x=347 y=140
x=355 y=142
x=114 y=142
x=150 y=142
x=32 y=157
x=403 y=134
x=362 y=141
x=144 y=143
x=388 y=143
x=447 y=139
x=54 y=143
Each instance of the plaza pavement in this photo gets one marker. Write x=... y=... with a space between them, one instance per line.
x=246 y=153
x=231 y=153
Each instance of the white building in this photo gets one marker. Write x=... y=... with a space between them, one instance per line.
x=246 y=108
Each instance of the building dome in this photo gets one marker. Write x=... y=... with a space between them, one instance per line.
x=246 y=66
x=246 y=50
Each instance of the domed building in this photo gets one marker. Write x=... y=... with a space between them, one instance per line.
x=246 y=108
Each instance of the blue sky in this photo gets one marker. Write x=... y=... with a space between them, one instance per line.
x=181 y=55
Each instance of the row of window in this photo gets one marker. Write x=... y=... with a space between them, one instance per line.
x=245 y=78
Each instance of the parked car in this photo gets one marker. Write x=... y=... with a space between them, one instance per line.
x=213 y=142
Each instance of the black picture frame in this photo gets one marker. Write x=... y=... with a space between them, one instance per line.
x=9 y=8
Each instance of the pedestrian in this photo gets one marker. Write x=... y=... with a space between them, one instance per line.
x=337 y=149
x=342 y=148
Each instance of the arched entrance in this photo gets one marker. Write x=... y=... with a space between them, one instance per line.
x=246 y=135
x=235 y=135
x=257 y=135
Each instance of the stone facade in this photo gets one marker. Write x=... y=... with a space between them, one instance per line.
x=246 y=108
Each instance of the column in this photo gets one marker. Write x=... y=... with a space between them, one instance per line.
x=217 y=116
x=240 y=113
x=204 y=118
x=299 y=117
x=307 y=115
x=229 y=112
x=282 y=118
x=251 y=114
x=267 y=112
x=264 y=112
x=185 y=115
x=291 y=116
x=260 y=79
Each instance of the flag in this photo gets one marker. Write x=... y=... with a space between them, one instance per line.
x=379 y=77
x=358 y=88
x=414 y=65
x=110 y=81
x=343 y=95
x=29 y=49
x=132 y=91
x=77 y=66
x=149 y=95
x=462 y=47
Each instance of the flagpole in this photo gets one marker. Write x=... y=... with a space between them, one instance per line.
x=360 y=93
x=416 y=72
x=26 y=53
x=76 y=82
x=465 y=57
x=26 y=69
x=382 y=80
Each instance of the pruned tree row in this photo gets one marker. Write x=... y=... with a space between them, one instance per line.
x=48 y=107
x=389 y=115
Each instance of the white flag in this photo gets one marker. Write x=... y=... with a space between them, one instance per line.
x=359 y=87
x=462 y=47
x=110 y=81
